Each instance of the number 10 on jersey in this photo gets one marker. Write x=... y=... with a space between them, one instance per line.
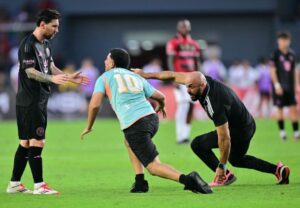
x=128 y=83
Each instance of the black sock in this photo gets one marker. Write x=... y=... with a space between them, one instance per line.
x=295 y=126
x=20 y=162
x=36 y=164
x=139 y=178
x=186 y=180
x=281 y=124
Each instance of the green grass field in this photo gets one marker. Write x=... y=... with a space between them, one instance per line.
x=96 y=172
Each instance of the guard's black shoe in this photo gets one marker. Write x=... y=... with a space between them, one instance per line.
x=199 y=185
x=140 y=187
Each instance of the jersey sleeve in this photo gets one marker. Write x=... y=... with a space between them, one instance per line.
x=100 y=85
x=148 y=89
x=28 y=57
x=220 y=117
x=218 y=107
x=171 y=48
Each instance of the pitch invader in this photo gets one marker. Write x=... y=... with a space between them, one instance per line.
x=285 y=81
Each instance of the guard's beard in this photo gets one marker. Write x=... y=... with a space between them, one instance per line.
x=197 y=96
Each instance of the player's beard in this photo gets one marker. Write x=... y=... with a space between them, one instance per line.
x=49 y=36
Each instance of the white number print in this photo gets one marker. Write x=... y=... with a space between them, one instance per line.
x=128 y=83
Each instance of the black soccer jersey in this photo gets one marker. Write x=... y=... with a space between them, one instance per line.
x=222 y=105
x=285 y=68
x=33 y=53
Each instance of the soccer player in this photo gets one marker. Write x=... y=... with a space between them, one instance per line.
x=285 y=81
x=128 y=93
x=235 y=128
x=37 y=71
x=183 y=56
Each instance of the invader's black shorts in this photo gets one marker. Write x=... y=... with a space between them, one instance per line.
x=139 y=137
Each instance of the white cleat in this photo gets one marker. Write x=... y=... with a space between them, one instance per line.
x=283 y=135
x=17 y=187
x=44 y=189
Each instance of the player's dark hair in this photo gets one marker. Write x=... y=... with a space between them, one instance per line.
x=121 y=57
x=47 y=15
x=284 y=35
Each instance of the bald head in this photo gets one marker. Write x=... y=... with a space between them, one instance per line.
x=195 y=78
x=195 y=83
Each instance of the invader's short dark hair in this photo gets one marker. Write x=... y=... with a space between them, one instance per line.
x=284 y=35
x=47 y=15
x=121 y=57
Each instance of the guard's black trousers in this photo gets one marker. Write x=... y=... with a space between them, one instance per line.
x=240 y=140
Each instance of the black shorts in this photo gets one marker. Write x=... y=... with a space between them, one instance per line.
x=287 y=99
x=139 y=137
x=31 y=121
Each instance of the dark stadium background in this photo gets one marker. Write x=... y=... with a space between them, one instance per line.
x=242 y=29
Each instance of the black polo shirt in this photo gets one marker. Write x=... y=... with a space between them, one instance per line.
x=222 y=105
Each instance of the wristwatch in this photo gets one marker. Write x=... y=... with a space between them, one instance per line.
x=222 y=166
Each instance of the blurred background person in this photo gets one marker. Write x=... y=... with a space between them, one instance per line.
x=264 y=87
x=88 y=69
x=242 y=77
x=234 y=73
x=183 y=56
x=213 y=66
x=154 y=66
x=285 y=81
x=14 y=70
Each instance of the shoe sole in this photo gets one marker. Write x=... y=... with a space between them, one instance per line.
x=45 y=193
x=138 y=192
x=227 y=183
x=18 y=192
x=230 y=181
x=206 y=189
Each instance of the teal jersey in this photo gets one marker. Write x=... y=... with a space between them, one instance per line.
x=127 y=93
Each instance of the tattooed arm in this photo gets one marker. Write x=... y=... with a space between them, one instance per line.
x=46 y=78
x=55 y=70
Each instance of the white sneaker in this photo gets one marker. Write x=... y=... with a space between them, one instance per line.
x=282 y=135
x=44 y=189
x=17 y=187
x=297 y=136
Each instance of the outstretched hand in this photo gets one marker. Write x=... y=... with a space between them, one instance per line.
x=60 y=79
x=85 y=132
x=78 y=78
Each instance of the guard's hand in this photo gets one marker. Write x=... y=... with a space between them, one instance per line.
x=85 y=132
x=220 y=175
